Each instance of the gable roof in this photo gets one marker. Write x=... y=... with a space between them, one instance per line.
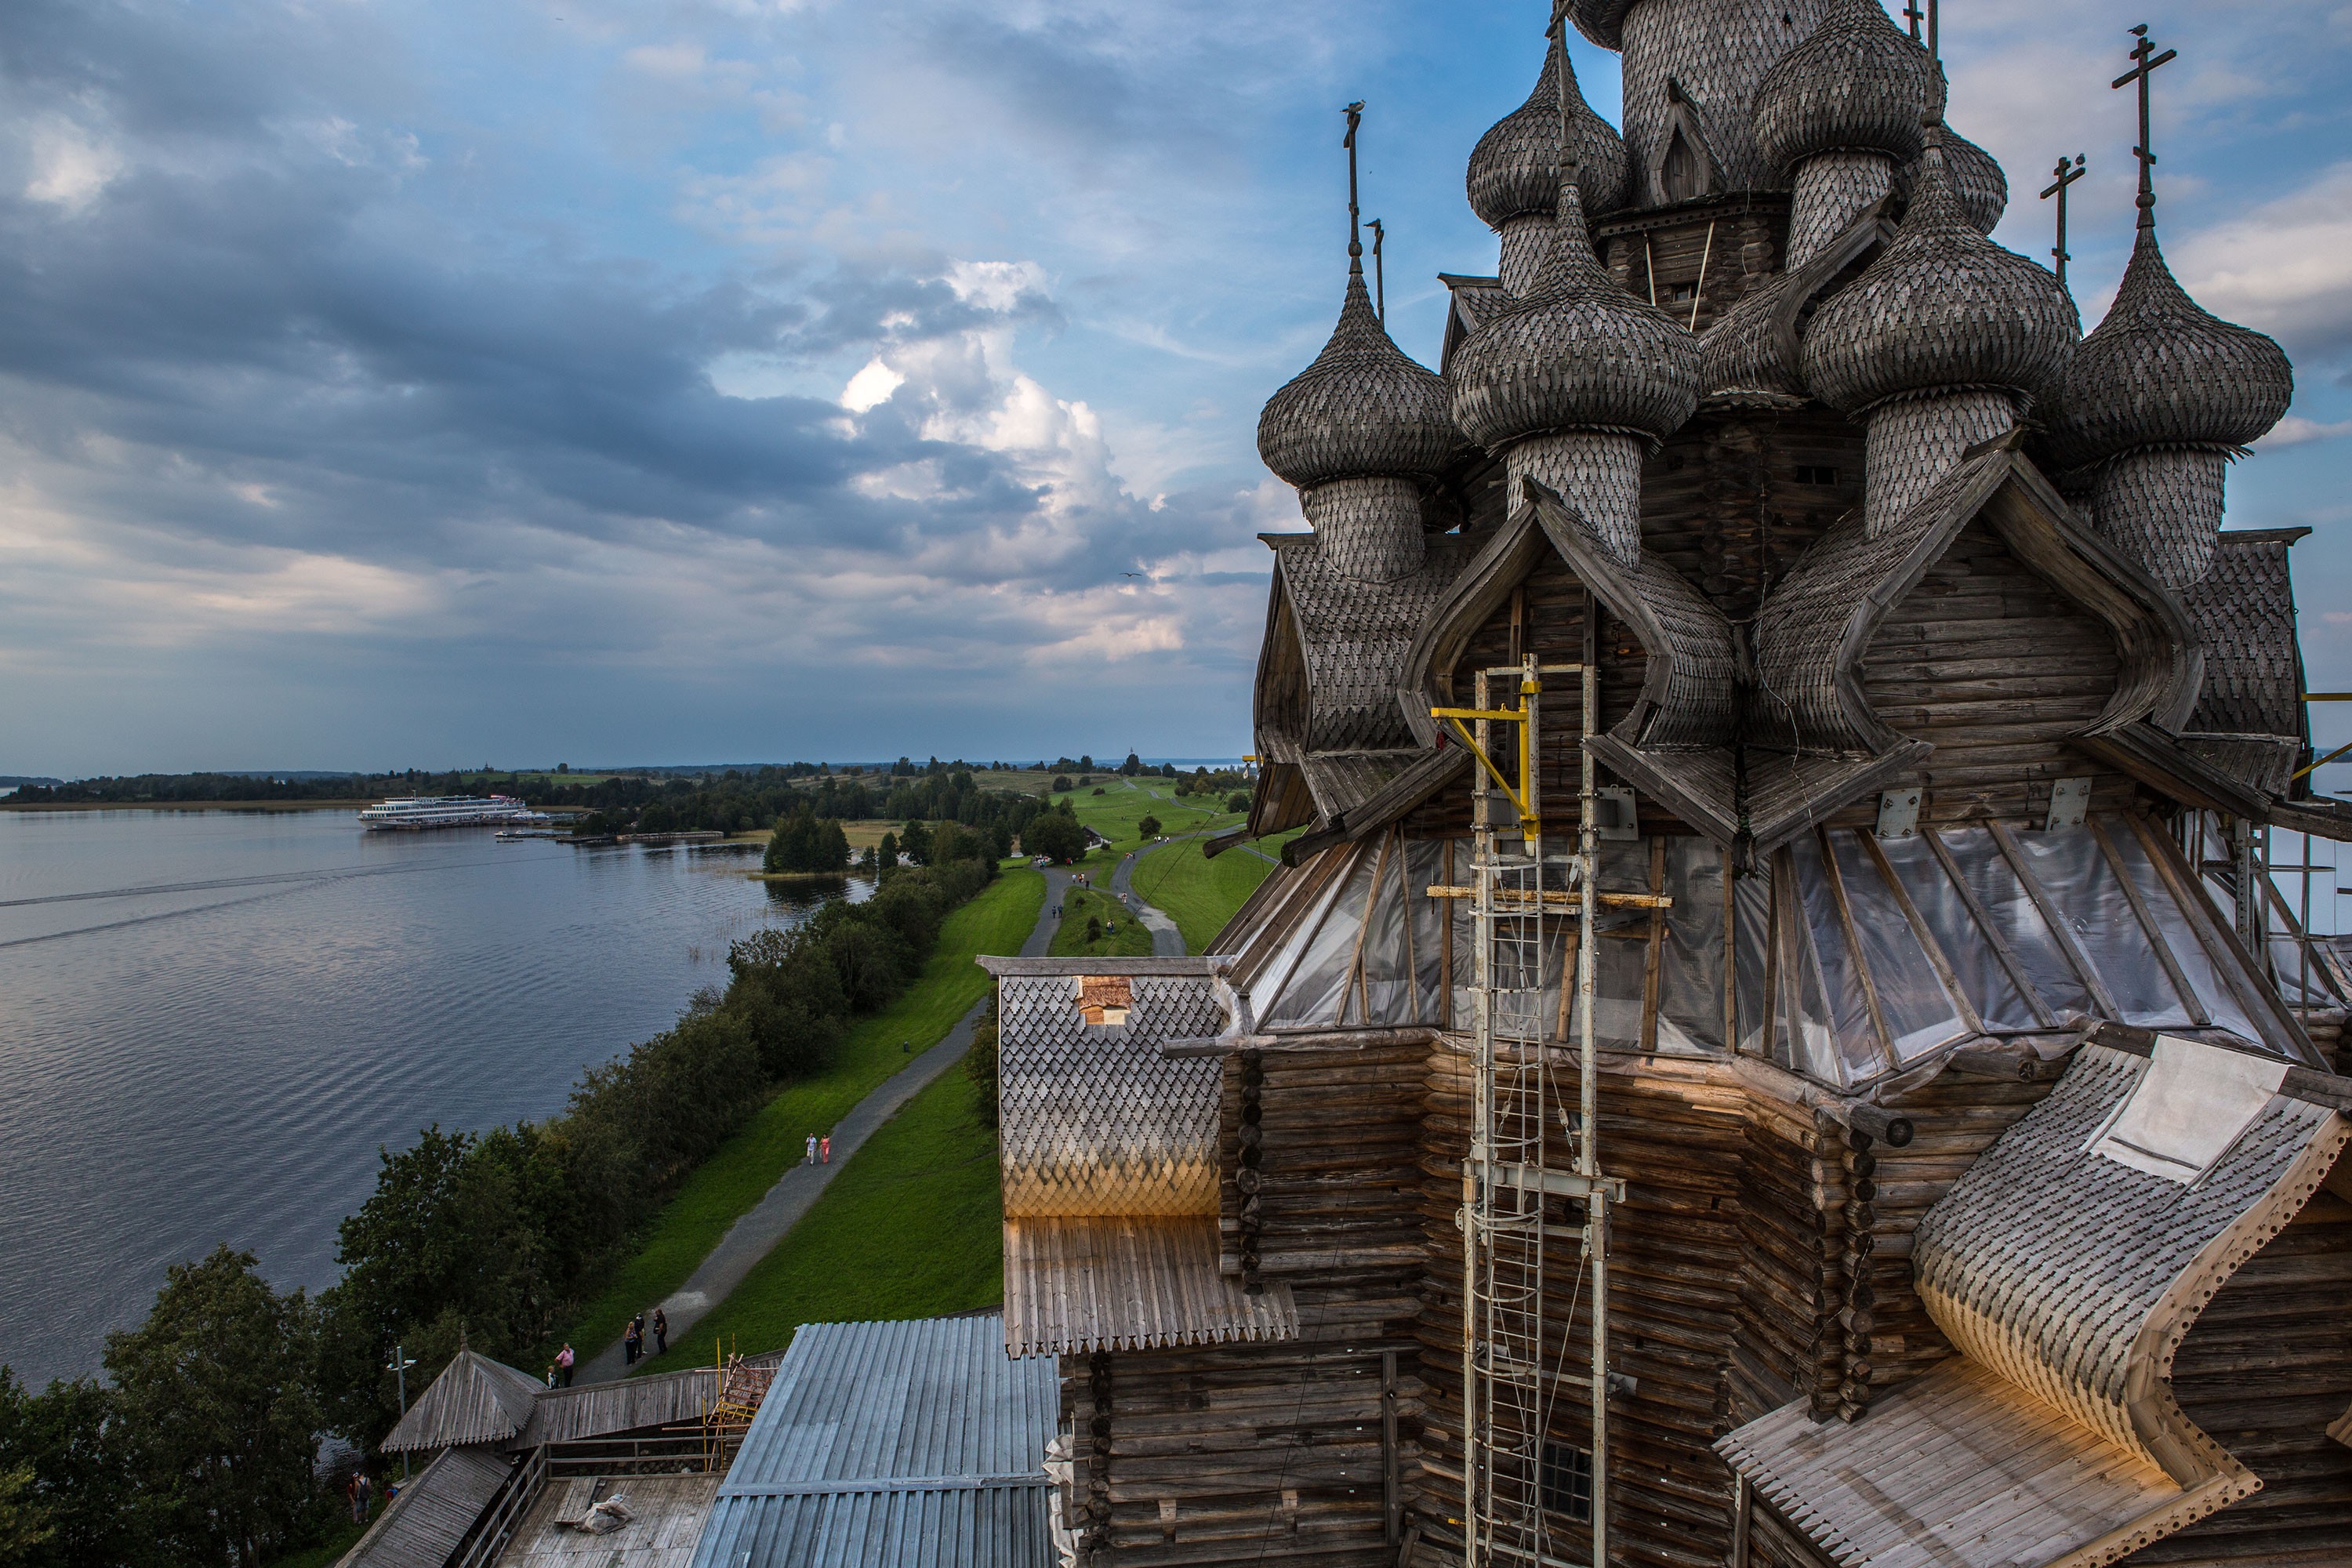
x=475 y=1400
x=433 y=1515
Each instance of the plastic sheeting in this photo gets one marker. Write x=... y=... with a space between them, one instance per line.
x=1854 y=957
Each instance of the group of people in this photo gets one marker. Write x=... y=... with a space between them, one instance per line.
x=633 y=1343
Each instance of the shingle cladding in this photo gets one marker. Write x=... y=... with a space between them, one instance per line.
x=892 y=1445
x=1354 y=635
x=429 y=1519
x=475 y=1400
x=2244 y=612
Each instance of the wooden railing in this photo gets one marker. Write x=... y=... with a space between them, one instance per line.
x=670 y=1454
x=505 y=1514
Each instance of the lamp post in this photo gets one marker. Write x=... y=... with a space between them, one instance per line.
x=401 y=1362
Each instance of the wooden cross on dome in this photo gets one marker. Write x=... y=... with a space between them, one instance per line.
x=2066 y=175
x=2145 y=59
x=1380 y=272
x=1355 y=112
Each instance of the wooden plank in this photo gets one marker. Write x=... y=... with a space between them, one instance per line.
x=1650 y=960
x=1928 y=942
x=2055 y=920
x=1853 y=948
x=1991 y=932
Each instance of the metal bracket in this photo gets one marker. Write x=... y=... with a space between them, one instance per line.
x=1618 y=817
x=1555 y=1183
x=1898 y=814
x=2070 y=802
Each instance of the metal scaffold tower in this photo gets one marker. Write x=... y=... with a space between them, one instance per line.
x=1515 y=1477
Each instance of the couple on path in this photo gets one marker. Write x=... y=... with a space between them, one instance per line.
x=633 y=1343
x=819 y=1150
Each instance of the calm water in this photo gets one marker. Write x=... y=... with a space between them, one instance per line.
x=209 y=1022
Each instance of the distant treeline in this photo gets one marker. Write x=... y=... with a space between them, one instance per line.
x=200 y=1446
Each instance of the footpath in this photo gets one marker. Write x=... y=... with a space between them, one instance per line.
x=756 y=1233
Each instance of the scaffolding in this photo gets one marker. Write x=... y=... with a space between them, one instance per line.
x=1515 y=1357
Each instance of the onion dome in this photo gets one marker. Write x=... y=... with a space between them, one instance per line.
x=1942 y=307
x=1976 y=179
x=1362 y=408
x=1602 y=21
x=2162 y=371
x=1515 y=169
x=1578 y=353
x=1857 y=84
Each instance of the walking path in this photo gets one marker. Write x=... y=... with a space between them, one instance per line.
x=755 y=1234
x=1167 y=941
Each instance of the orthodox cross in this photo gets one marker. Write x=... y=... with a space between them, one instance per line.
x=1915 y=15
x=1556 y=30
x=2066 y=175
x=1380 y=273
x=2145 y=59
x=1355 y=112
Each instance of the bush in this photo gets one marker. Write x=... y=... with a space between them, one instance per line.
x=1237 y=801
x=1061 y=782
x=803 y=842
x=1147 y=826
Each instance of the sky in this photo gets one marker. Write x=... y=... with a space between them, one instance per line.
x=523 y=381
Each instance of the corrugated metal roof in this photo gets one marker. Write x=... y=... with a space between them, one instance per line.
x=422 y=1525
x=475 y=1400
x=897 y=1445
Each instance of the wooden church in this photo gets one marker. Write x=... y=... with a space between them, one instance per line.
x=1771 y=1043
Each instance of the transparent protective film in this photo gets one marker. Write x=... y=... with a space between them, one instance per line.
x=2071 y=869
x=1303 y=983
x=1752 y=921
x=1974 y=960
x=2179 y=937
x=1989 y=879
x=1691 y=963
x=1858 y=1046
x=1912 y=998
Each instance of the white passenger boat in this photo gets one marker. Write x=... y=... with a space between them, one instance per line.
x=415 y=813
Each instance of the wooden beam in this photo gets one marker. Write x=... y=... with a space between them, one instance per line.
x=1928 y=942
x=2051 y=916
x=2010 y=963
x=2189 y=1000
x=1650 y=960
x=1853 y=948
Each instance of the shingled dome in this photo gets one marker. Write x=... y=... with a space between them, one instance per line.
x=1943 y=307
x=1362 y=408
x=1602 y=21
x=1579 y=353
x=1976 y=180
x=2162 y=372
x=1856 y=84
x=1515 y=169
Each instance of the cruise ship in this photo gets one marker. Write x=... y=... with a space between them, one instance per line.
x=413 y=814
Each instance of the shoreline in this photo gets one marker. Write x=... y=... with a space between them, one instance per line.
x=8 y=803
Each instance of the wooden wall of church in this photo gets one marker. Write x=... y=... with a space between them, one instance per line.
x=1989 y=663
x=1734 y=498
x=2263 y=1371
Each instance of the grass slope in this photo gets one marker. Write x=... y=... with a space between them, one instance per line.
x=1198 y=893
x=911 y=1228
x=1131 y=939
x=998 y=922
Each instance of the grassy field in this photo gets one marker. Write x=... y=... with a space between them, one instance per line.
x=911 y=1228
x=1200 y=894
x=1131 y=939
x=998 y=922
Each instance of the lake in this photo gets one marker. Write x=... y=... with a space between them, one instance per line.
x=209 y=1022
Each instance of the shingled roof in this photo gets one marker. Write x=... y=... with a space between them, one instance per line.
x=475 y=1400
x=2244 y=615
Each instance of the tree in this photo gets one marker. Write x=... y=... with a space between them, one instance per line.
x=917 y=843
x=1132 y=766
x=1237 y=801
x=981 y=1065
x=1148 y=827
x=24 y=1523
x=215 y=1392
x=83 y=1507
x=1061 y=782
x=886 y=853
x=1055 y=836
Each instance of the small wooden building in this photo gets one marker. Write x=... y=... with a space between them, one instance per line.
x=1964 y=1100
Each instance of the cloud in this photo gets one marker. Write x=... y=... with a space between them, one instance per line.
x=2295 y=430
x=2283 y=266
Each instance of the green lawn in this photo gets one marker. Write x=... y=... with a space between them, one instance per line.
x=1200 y=894
x=911 y=1228
x=998 y=922
x=1131 y=939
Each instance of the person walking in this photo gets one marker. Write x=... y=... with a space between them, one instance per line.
x=661 y=1331
x=630 y=1340
x=563 y=1360
x=811 y=1151
x=356 y=1490
x=824 y=1150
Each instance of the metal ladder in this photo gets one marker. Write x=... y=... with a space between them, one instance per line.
x=1512 y=1358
